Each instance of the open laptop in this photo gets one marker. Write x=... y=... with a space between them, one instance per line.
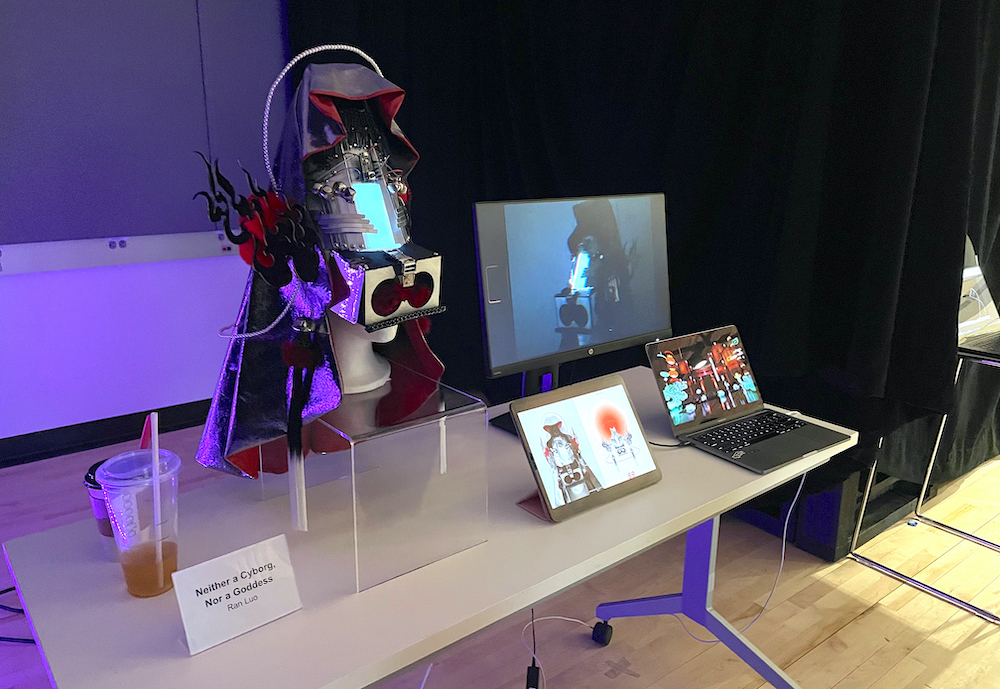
x=714 y=403
x=978 y=321
x=981 y=346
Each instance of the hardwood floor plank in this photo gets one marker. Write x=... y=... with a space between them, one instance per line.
x=902 y=675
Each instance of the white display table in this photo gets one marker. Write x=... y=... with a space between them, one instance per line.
x=93 y=634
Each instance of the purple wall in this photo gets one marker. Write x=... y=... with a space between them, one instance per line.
x=103 y=105
x=112 y=340
x=102 y=108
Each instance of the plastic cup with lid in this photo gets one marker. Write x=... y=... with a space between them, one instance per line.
x=148 y=550
x=100 y=509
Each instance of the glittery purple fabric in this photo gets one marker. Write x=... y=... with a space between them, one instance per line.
x=250 y=405
x=355 y=278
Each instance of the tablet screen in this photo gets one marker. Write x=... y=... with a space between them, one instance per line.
x=585 y=444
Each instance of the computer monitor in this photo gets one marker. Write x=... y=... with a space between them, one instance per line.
x=563 y=279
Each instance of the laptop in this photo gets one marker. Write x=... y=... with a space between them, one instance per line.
x=714 y=404
x=978 y=330
x=982 y=346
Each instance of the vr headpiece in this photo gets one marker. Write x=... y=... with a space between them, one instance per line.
x=343 y=153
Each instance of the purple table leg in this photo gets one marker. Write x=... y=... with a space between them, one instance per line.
x=695 y=602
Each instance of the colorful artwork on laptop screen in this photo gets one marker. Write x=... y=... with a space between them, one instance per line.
x=585 y=444
x=705 y=379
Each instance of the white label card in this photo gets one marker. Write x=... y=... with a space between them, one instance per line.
x=234 y=593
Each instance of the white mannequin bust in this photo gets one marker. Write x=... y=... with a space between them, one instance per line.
x=360 y=368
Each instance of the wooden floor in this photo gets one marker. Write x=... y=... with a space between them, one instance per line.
x=829 y=625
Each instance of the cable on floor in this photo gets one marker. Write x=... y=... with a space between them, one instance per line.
x=781 y=566
x=532 y=623
x=426 y=674
x=9 y=608
x=19 y=611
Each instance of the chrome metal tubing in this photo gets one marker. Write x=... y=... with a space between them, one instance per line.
x=920 y=586
x=899 y=576
x=864 y=504
x=958 y=532
x=918 y=510
x=934 y=452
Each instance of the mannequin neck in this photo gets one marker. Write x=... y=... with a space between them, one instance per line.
x=360 y=368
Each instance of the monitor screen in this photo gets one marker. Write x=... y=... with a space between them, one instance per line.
x=704 y=377
x=585 y=444
x=562 y=279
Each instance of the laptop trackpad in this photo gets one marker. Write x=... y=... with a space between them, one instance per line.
x=774 y=452
x=820 y=437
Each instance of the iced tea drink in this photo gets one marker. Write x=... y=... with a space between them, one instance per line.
x=142 y=576
x=127 y=481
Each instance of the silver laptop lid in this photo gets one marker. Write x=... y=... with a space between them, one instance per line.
x=705 y=378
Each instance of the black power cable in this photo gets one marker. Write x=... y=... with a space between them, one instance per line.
x=19 y=611
x=7 y=607
x=533 y=669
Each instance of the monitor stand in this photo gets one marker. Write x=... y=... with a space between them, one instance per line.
x=532 y=382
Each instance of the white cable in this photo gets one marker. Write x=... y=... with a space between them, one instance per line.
x=781 y=566
x=688 y=631
x=426 y=674
x=243 y=336
x=281 y=75
x=555 y=617
x=539 y=619
x=784 y=544
x=774 y=586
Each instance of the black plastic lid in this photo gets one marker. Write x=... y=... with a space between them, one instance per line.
x=90 y=478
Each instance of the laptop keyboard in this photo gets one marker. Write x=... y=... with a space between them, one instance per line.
x=739 y=434
x=988 y=343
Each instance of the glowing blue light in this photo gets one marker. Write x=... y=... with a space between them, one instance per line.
x=371 y=202
x=578 y=280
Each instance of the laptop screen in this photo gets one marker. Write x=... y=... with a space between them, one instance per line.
x=704 y=377
x=585 y=444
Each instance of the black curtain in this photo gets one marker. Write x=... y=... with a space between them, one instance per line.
x=822 y=164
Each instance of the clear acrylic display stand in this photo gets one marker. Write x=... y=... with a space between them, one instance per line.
x=406 y=465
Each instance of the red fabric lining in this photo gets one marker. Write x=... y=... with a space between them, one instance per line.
x=389 y=101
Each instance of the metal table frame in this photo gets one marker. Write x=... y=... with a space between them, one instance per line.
x=921 y=517
x=695 y=603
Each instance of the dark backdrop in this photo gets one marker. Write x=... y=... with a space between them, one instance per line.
x=822 y=164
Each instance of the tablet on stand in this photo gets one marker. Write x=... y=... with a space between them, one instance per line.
x=585 y=446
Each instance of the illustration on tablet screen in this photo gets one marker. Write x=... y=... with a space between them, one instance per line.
x=616 y=437
x=562 y=452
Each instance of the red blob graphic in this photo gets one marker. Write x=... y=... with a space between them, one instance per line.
x=608 y=418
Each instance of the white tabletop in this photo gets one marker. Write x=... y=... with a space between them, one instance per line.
x=93 y=634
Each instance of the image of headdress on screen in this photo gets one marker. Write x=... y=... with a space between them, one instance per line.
x=573 y=477
x=616 y=438
x=598 y=297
